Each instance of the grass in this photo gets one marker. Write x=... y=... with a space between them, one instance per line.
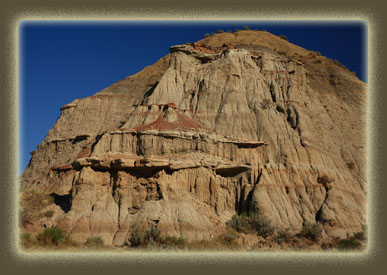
x=94 y=241
x=229 y=236
x=32 y=204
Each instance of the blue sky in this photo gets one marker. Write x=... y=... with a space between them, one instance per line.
x=63 y=61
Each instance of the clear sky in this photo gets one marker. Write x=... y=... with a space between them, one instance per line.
x=60 y=62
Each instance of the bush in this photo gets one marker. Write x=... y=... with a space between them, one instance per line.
x=283 y=236
x=284 y=53
x=153 y=236
x=150 y=236
x=253 y=223
x=220 y=31
x=207 y=35
x=261 y=225
x=51 y=236
x=246 y=28
x=137 y=238
x=311 y=231
x=283 y=37
x=94 y=241
x=229 y=236
x=349 y=243
x=239 y=223
x=362 y=235
x=229 y=31
x=324 y=180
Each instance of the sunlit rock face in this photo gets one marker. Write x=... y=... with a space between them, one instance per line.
x=222 y=126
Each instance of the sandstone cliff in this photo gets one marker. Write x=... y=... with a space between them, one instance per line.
x=243 y=122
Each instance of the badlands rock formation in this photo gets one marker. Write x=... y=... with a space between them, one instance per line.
x=236 y=122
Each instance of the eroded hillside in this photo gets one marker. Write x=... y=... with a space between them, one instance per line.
x=237 y=122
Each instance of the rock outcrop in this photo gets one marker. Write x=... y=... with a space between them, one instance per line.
x=236 y=122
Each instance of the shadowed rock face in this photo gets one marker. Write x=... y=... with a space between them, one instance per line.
x=212 y=129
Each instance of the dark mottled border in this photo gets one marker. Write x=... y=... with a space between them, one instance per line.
x=17 y=262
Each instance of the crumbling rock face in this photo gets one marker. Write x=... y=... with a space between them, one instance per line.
x=216 y=130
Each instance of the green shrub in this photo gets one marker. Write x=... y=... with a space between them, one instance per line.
x=362 y=235
x=283 y=236
x=144 y=238
x=239 y=223
x=152 y=237
x=94 y=241
x=261 y=225
x=311 y=231
x=350 y=243
x=137 y=238
x=253 y=223
x=51 y=236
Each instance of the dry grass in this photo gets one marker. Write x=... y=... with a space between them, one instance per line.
x=32 y=204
